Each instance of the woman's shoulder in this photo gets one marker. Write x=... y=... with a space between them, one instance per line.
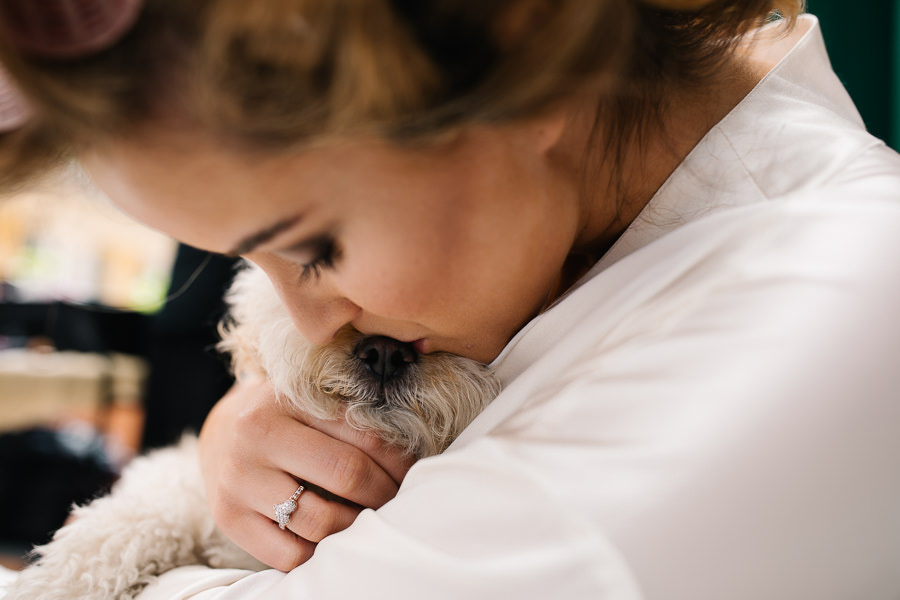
x=844 y=237
x=733 y=386
x=797 y=134
x=798 y=129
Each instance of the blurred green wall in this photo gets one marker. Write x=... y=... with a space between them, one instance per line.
x=863 y=39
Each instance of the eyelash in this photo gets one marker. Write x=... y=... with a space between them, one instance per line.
x=325 y=257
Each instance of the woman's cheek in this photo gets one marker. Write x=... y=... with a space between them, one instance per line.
x=394 y=297
x=374 y=272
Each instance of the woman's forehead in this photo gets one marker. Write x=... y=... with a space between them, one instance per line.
x=216 y=199
x=207 y=199
x=207 y=194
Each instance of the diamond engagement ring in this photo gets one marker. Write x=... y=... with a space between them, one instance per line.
x=284 y=510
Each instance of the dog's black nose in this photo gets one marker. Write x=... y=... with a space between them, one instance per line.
x=385 y=358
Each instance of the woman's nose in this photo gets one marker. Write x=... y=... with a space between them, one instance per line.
x=317 y=308
x=318 y=320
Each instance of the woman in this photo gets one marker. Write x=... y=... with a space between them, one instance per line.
x=666 y=229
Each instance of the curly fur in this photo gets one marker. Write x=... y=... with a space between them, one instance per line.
x=422 y=411
x=156 y=517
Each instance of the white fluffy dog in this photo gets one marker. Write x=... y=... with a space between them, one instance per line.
x=156 y=517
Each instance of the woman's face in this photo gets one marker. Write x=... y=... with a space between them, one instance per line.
x=453 y=248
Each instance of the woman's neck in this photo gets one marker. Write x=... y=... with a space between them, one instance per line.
x=616 y=191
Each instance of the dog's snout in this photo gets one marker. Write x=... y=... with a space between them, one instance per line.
x=385 y=358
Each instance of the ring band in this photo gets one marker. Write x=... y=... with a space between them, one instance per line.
x=284 y=510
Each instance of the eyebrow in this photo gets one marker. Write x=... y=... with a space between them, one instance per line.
x=263 y=235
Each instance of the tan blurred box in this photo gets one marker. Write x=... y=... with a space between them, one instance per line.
x=39 y=388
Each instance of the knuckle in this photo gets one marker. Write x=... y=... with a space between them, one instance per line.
x=352 y=471
x=233 y=478
x=295 y=556
x=372 y=444
x=363 y=440
x=376 y=447
x=224 y=511
x=252 y=423
x=318 y=522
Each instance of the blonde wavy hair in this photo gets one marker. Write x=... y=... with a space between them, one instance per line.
x=270 y=76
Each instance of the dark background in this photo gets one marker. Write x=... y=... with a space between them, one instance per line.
x=863 y=39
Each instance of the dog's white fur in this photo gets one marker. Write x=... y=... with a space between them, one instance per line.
x=157 y=518
x=421 y=411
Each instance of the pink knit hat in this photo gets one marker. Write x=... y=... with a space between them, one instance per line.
x=66 y=29
x=14 y=111
x=57 y=30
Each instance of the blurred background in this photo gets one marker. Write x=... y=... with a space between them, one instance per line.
x=95 y=366
x=863 y=40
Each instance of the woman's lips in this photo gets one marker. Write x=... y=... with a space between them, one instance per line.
x=421 y=345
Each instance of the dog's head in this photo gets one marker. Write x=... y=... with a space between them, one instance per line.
x=419 y=402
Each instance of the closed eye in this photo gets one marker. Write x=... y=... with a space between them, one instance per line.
x=324 y=252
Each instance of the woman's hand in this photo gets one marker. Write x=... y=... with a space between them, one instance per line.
x=252 y=453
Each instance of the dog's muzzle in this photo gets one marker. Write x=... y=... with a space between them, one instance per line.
x=385 y=358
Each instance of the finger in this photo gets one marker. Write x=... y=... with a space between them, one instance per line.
x=315 y=518
x=393 y=460
x=308 y=454
x=261 y=538
x=264 y=419
x=331 y=464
